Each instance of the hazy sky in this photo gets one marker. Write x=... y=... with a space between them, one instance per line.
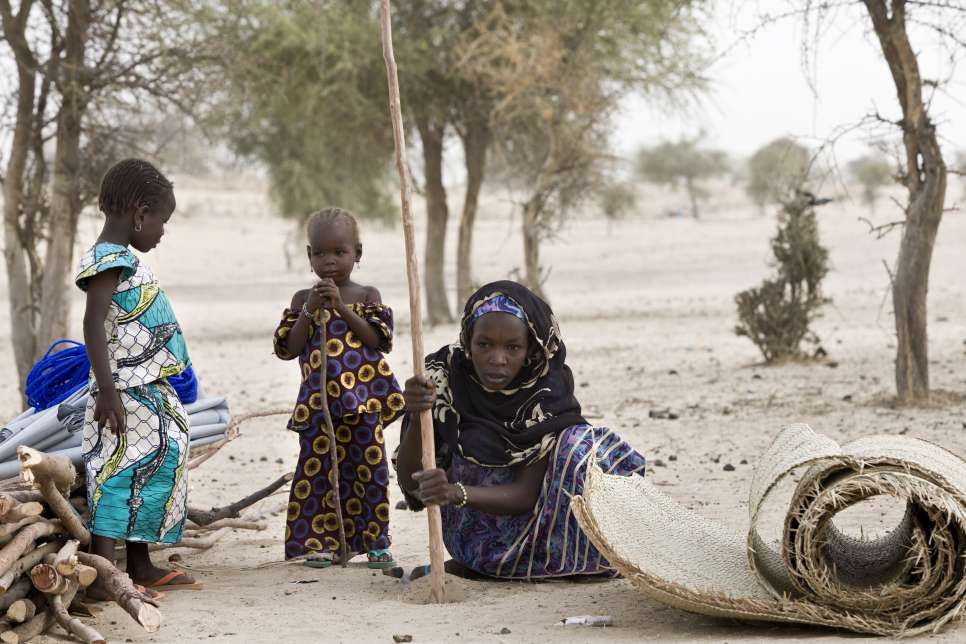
x=761 y=90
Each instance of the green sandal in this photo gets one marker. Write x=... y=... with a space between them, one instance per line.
x=318 y=560
x=380 y=559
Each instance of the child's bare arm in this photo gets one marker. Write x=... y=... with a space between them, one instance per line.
x=295 y=341
x=108 y=409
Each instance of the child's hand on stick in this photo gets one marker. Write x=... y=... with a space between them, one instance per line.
x=419 y=394
x=109 y=410
x=315 y=299
x=330 y=294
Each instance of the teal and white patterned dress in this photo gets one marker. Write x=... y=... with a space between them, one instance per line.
x=137 y=483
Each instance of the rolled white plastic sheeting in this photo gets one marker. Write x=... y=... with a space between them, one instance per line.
x=61 y=433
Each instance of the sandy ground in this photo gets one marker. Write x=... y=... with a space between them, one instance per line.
x=647 y=313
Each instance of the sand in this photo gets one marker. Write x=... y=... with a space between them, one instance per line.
x=647 y=312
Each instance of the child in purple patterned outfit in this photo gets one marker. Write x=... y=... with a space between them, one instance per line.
x=361 y=392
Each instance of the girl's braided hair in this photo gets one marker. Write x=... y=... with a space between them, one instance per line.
x=331 y=215
x=133 y=184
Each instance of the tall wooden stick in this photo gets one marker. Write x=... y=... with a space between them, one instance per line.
x=333 y=452
x=415 y=305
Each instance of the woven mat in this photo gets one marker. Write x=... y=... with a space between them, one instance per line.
x=906 y=582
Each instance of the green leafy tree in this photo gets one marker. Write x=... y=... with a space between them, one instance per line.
x=683 y=163
x=775 y=169
x=306 y=97
x=872 y=173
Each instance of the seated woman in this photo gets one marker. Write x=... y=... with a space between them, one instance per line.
x=511 y=445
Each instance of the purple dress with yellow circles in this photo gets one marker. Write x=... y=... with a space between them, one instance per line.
x=363 y=397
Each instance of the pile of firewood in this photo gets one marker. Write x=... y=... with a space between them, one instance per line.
x=43 y=571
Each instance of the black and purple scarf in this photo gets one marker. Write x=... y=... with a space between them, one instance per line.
x=516 y=425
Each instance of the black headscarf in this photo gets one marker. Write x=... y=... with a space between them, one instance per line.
x=516 y=425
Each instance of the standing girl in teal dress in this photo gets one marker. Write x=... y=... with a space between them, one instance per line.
x=135 y=444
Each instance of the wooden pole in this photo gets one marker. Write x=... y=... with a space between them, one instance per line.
x=333 y=452
x=415 y=305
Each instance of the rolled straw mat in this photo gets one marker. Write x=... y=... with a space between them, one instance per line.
x=909 y=581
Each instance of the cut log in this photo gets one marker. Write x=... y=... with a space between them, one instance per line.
x=17 y=511
x=83 y=632
x=29 y=629
x=41 y=623
x=195 y=543
x=85 y=575
x=25 y=563
x=119 y=587
x=21 y=610
x=9 y=530
x=36 y=465
x=47 y=580
x=10 y=500
x=24 y=541
x=203 y=518
x=54 y=476
x=20 y=589
x=66 y=559
x=25 y=496
x=64 y=511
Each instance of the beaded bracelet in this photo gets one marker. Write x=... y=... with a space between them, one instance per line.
x=307 y=313
x=465 y=495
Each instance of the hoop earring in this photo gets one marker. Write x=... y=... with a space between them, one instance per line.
x=137 y=228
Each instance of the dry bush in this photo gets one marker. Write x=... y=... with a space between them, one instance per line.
x=777 y=315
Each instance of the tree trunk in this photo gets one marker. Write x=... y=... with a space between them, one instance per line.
x=692 y=196
x=65 y=200
x=22 y=313
x=531 y=247
x=926 y=183
x=475 y=142
x=431 y=134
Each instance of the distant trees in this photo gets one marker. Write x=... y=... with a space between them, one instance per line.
x=776 y=169
x=872 y=173
x=683 y=163
x=557 y=83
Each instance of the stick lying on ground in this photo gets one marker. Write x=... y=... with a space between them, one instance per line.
x=195 y=543
x=233 y=510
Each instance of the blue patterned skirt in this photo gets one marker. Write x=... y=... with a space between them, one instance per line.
x=546 y=542
x=137 y=483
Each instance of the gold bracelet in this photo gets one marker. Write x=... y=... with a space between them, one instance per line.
x=463 y=492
